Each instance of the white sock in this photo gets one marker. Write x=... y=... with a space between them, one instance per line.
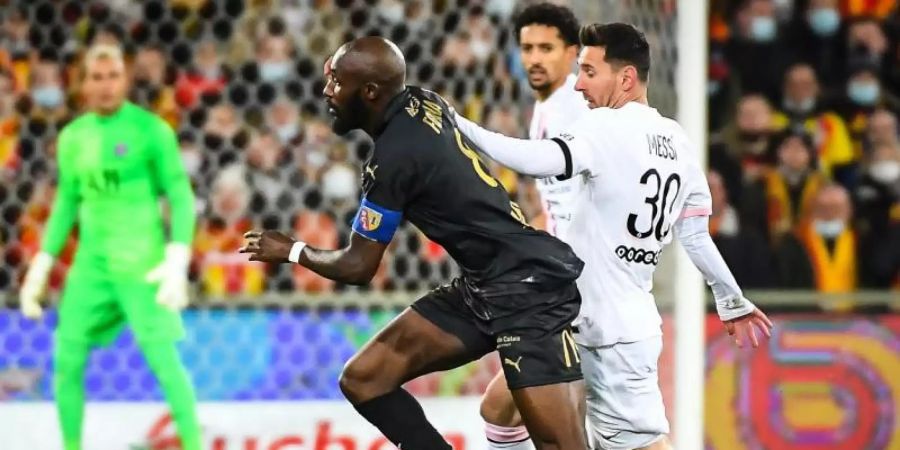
x=507 y=438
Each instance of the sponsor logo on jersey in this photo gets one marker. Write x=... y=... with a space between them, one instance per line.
x=638 y=255
x=369 y=218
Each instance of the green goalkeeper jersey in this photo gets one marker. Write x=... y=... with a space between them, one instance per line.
x=112 y=172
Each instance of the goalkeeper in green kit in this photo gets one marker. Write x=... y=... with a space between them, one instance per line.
x=114 y=164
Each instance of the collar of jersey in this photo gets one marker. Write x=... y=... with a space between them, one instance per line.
x=393 y=107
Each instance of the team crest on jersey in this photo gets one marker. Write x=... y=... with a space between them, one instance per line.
x=369 y=218
x=413 y=107
x=120 y=150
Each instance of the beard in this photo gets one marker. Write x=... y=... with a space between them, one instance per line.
x=350 y=116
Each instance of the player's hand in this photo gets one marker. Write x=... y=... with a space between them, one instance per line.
x=34 y=285
x=267 y=246
x=172 y=277
x=746 y=326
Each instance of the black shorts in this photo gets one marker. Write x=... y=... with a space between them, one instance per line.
x=531 y=331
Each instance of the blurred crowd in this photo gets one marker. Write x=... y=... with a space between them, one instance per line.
x=804 y=155
x=803 y=95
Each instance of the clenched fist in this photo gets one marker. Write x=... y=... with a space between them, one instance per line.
x=267 y=246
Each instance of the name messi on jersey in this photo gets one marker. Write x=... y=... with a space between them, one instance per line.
x=661 y=146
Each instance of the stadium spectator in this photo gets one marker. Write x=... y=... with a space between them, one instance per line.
x=745 y=250
x=312 y=154
x=269 y=172
x=792 y=186
x=47 y=93
x=740 y=152
x=822 y=253
x=817 y=39
x=318 y=229
x=151 y=85
x=864 y=94
x=804 y=107
x=883 y=128
x=877 y=200
x=274 y=58
x=222 y=269
x=284 y=119
x=757 y=52
x=206 y=75
x=867 y=43
x=9 y=123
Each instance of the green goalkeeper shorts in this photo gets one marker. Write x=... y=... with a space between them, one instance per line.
x=96 y=306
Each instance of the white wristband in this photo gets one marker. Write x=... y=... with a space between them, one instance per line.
x=296 y=249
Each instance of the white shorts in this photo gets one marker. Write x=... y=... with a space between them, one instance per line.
x=624 y=403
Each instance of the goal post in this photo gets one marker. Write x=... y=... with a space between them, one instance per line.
x=689 y=291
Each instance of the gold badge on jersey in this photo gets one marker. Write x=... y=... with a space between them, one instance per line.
x=413 y=107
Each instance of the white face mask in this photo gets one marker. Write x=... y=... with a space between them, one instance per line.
x=481 y=49
x=393 y=13
x=339 y=183
x=802 y=107
x=287 y=132
x=193 y=160
x=829 y=228
x=885 y=172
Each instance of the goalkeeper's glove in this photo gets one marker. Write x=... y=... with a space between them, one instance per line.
x=172 y=276
x=34 y=285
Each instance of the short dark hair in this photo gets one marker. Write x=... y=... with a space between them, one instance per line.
x=548 y=14
x=624 y=45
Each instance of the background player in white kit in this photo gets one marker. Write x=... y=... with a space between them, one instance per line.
x=548 y=41
x=642 y=181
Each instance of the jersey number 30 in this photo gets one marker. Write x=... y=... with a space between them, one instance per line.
x=658 y=210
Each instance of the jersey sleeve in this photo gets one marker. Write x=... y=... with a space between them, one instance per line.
x=65 y=205
x=390 y=181
x=537 y=158
x=583 y=144
x=171 y=177
x=698 y=200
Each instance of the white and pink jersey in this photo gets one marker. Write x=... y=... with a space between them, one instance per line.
x=551 y=117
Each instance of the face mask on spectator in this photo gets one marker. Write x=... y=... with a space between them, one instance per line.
x=192 y=161
x=824 y=21
x=274 y=71
x=393 y=13
x=48 y=96
x=763 y=29
x=829 y=228
x=287 y=132
x=863 y=93
x=755 y=142
x=481 y=49
x=885 y=172
x=339 y=183
x=804 y=106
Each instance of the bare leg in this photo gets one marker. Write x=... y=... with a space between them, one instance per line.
x=554 y=415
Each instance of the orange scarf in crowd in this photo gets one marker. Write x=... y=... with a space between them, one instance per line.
x=780 y=209
x=834 y=272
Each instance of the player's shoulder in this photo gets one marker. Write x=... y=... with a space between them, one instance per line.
x=415 y=119
x=147 y=117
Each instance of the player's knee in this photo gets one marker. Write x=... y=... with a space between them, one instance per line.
x=360 y=382
x=500 y=410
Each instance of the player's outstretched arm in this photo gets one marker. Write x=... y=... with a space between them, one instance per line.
x=739 y=314
x=537 y=158
x=354 y=264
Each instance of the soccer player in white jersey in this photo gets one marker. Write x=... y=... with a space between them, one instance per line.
x=642 y=184
x=547 y=35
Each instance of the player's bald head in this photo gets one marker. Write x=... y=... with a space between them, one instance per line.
x=361 y=78
x=371 y=59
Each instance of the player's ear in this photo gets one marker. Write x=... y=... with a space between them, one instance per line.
x=628 y=78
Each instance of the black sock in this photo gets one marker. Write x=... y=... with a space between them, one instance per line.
x=401 y=419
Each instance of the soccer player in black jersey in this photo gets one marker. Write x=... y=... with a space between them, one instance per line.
x=517 y=291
